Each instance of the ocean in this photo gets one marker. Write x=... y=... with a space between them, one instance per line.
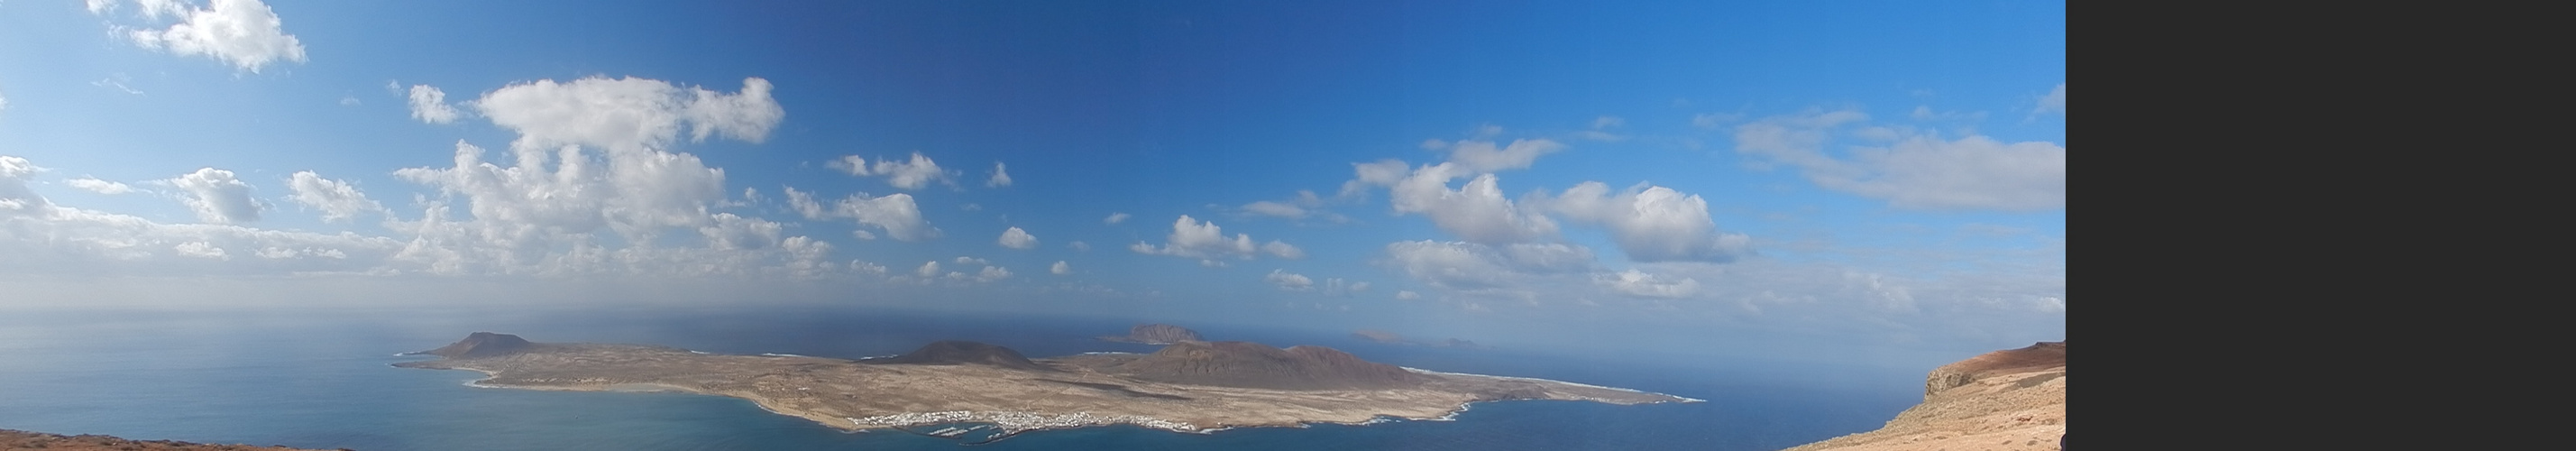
x=321 y=379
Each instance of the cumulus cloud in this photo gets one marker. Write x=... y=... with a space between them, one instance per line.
x=1060 y=268
x=1193 y=239
x=910 y=174
x=1919 y=170
x=245 y=33
x=1407 y=295
x=992 y=274
x=1289 y=281
x=895 y=213
x=1484 y=156
x=200 y=249
x=217 y=197
x=1000 y=177
x=428 y=104
x=730 y=232
x=928 y=269
x=1018 y=239
x=1475 y=212
x=338 y=200
x=99 y=186
x=1115 y=218
x=1650 y=223
x=629 y=114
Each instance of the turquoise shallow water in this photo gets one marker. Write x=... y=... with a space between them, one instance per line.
x=323 y=381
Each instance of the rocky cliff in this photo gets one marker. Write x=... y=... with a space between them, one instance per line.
x=2013 y=399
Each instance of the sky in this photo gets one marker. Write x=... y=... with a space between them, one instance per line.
x=1785 y=178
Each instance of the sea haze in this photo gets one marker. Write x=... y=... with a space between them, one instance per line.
x=322 y=380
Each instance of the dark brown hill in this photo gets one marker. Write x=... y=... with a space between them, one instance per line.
x=482 y=344
x=1253 y=365
x=955 y=352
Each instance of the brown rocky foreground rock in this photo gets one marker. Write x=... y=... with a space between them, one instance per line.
x=2013 y=399
x=15 y=440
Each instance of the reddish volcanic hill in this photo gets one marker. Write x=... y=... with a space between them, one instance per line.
x=482 y=344
x=954 y=352
x=1253 y=365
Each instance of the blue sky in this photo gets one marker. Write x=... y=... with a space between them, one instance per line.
x=1890 y=174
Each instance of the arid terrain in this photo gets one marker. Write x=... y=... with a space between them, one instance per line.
x=1191 y=386
x=2012 y=399
x=14 y=440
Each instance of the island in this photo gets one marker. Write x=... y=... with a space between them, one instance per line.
x=968 y=388
x=1155 y=334
x=2013 y=399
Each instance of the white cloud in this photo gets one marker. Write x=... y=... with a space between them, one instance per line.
x=1711 y=121
x=15 y=198
x=1193 y=239
x=1650 y=223
x=428 y=104
x=1283 y=250
x=2054 y=102
x=730 y=232
x=629 y=114
x=1601 y=129
x=1115 y=218
x=910 y=174
x=1919 y=170
x=1407 y=295
x=1060 y=268
x=1640 y=284
x=100 y=186
x=1484 y=156
x=1000 y=177
x=349 y=101
x=200 y=249
x=965 y=260
x=338 y=200
x=863 y=234
x=245 y=33
x=1475 y=212
x=217 y=197
x=992 y=274
x=1080 y=246
x=928 y=269
x=1018 y=239
x=895 y=213
x=1289 y=281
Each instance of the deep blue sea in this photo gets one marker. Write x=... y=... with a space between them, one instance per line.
x=320 y=379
